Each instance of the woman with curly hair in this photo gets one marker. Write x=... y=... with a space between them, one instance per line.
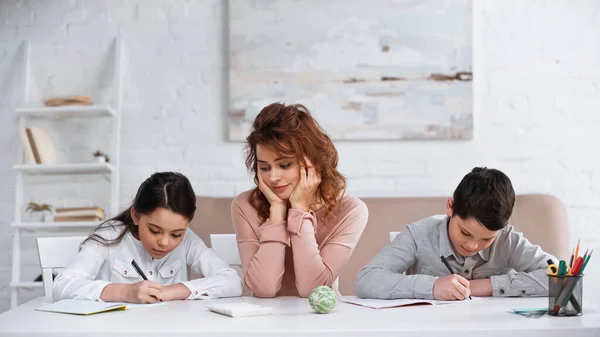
x=297 y=228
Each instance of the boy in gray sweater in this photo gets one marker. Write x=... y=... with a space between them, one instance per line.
x=488 y=257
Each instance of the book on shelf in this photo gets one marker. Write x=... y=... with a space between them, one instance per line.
x=69 y=100
x=28 y=157
x=76 y=218
x=93 y=213
x=38 y=147
x=84 y=208
x=83 y=211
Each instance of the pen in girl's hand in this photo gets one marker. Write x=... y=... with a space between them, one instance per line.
x=138 y=269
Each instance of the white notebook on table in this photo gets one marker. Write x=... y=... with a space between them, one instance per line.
x=87 y=307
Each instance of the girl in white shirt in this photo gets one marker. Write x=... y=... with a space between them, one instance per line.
x=154 y=232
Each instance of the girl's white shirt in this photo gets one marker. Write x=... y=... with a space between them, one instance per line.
x=96 y=266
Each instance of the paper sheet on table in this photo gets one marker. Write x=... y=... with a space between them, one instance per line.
x=381 y=304
x=133 y=306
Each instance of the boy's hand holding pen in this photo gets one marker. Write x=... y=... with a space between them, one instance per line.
x=451 y=287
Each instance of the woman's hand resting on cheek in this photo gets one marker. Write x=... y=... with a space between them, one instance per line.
x=278 y=206
x=304 y=193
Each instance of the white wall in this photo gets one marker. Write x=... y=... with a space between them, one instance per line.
x=537 y=101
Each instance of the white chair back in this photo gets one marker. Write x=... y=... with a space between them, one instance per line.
x=225 y=246
x=56 y=253
x=437 y=217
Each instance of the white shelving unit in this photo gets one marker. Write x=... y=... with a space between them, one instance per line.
x=76 y=168
x=68 y=112
x=50 y=225
x=109 y=170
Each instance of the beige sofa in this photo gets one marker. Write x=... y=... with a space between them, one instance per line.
x=542 y=219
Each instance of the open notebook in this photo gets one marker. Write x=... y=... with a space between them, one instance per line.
x=86 y=307
x=381 y=304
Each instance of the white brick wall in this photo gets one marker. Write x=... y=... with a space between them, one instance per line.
x=537 y=104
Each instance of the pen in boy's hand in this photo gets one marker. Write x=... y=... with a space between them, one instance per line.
x=450 y=269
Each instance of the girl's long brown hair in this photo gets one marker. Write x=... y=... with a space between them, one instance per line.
x=169 y=190
x=291 y=131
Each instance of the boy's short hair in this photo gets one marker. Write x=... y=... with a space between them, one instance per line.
x=486 y=195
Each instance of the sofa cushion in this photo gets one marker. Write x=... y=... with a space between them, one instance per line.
x=541 y=218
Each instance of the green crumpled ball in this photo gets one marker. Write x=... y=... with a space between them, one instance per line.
x=322 y=299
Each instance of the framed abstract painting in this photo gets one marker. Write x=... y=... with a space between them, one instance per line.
x=367 y=70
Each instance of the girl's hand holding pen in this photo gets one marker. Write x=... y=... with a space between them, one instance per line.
x=143 y=292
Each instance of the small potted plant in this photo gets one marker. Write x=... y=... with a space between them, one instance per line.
x=101 y=157
x=33 y=208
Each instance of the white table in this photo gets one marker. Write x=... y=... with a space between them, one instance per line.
x=294 y=317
